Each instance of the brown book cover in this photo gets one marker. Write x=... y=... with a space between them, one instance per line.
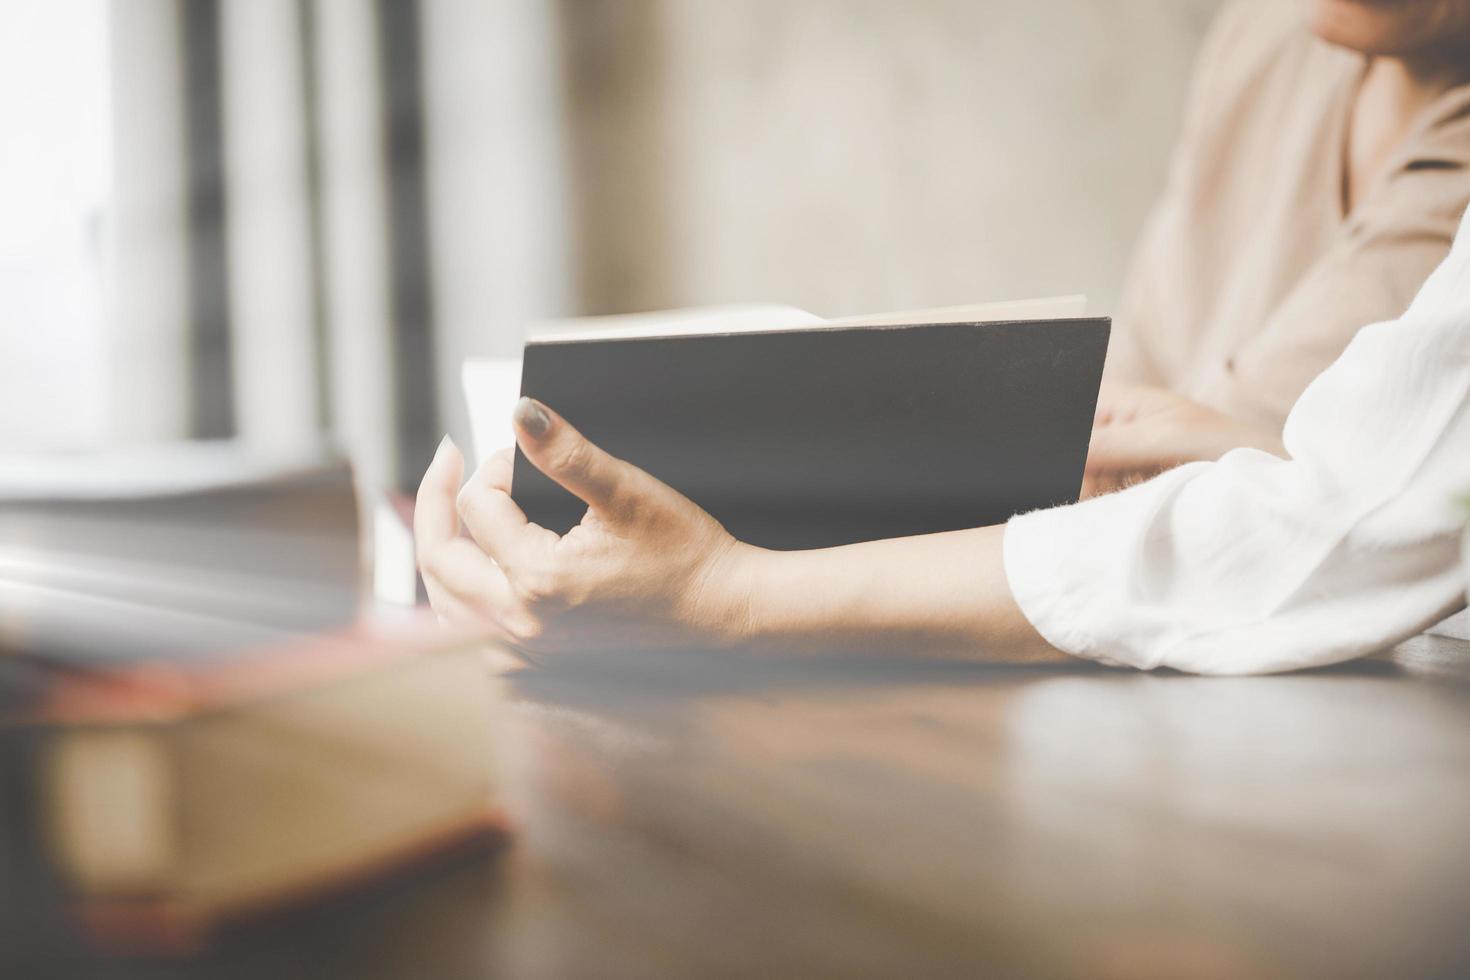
x=148 y=803
x=199 y=722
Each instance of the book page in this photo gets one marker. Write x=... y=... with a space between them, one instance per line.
x=157 y=470
x=769 y=318
x=690 y=321
x=1048 y=308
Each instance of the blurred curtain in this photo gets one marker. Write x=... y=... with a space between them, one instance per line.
x=315 y=205
x=324 y=205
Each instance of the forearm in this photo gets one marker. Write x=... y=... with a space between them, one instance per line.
x=1232 y=434
x=936 y=595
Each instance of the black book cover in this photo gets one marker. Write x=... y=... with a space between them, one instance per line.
x=818 y=437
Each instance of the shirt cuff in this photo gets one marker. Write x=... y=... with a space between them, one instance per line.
x=1056 y=563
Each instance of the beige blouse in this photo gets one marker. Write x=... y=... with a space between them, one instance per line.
x=1249 y=279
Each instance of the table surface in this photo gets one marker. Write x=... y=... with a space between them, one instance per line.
x=723 y=816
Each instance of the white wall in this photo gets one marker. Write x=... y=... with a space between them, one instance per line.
x=355 y=217
x=860 y=155
x=497 y=181
x=274 y=355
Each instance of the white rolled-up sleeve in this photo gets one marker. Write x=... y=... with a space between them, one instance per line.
x=1255 y=563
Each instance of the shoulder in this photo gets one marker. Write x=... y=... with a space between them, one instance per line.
x=1428 y=185
x=1250 y=24
x=1251 y=32
x=1441 y=138
x=1249 y=44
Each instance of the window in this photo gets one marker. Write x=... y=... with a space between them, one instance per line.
x=54 y=186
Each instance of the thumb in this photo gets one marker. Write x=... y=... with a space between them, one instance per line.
x=1121 y=448
x=561 y=452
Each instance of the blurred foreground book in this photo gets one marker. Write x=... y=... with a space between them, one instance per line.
x=197 y=721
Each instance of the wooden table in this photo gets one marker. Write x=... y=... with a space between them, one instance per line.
x=708 y=817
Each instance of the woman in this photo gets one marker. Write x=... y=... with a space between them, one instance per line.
x=1329 y=539
x=1324 y=162
x=1254 y=562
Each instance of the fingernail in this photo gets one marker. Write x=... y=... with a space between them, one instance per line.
x=531 y=416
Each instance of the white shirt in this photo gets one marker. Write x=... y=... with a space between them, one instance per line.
x=1255 y=563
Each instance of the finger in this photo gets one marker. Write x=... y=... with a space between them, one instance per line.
x=461 y=572
x=1103 y=411
x=498 y=469
x=1104 y=482
x=496 y=522
x=450 y=609
x=1125 y=448
x=465 y=586
x=602 y=481
x=435 y=518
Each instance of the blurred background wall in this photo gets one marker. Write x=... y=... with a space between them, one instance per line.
x=316 y=209
x=858 y=155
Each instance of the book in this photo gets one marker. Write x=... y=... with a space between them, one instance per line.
x=149 y=804
x=205 y=529
x=201 y=723
x=796 y=432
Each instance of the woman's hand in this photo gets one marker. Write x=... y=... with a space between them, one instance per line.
x=1140 y=431
x=645 y=567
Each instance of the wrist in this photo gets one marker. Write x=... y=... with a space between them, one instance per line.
x=1256 y=437
x=1212 y=434
x=726 y=610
